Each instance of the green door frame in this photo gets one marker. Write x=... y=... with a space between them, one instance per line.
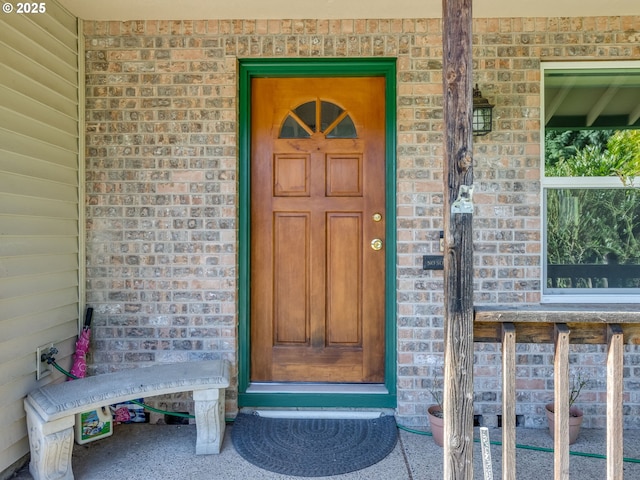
x=348 y=67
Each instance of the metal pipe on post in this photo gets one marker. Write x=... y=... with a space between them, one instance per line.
x=458 y=261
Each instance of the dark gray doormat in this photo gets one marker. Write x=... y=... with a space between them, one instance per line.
x=313 y=447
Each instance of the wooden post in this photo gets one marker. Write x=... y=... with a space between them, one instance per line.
x=458 y=261
x=615 y=390
x=508 y=401
x=561 y=402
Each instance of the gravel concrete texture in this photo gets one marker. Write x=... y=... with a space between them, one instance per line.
x=159 y=452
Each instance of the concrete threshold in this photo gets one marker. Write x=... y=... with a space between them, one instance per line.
x=318 y=414
x=334 y=388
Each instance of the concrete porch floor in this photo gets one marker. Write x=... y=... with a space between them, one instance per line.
x=158 y=452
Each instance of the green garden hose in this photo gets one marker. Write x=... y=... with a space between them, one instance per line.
x=401 y=427
x=528 y=447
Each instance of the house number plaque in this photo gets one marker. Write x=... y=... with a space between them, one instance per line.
x=433 y=262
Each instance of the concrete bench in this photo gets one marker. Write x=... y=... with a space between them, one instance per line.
x=51 y=410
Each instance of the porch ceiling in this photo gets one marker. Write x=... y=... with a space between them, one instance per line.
x=330 y=9
x=592 y=98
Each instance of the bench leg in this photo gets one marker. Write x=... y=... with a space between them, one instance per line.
x=209 y=412
x=51 y=445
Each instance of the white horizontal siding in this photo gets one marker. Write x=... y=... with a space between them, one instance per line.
x=9 y=414
x=37 y=225
x=44 y=320
x=12 y=142
x=21 y=83
x=38 y=301
x=62 y=26
x=19 y=368
x=38 y=46
x=44 y=77
x=22 y=205
x=39 y=211
x=38 y=188
x=19 y=345
x=27 y=123
x=18 y=246
x=21 y=164
x=12 y=432
x=53 y=322
x=38 y=113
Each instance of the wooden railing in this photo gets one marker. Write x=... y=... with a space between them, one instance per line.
x=610 y=325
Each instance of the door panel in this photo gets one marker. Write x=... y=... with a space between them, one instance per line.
x=291 y=278
x=344 y=175
x=291 y=177
x=317 y=179
x=344 y=279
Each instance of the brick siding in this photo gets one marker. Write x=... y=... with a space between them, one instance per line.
x=161 y=184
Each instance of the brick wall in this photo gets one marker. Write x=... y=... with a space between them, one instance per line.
x=161 y=182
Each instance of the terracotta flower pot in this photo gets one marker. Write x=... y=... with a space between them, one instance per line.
x=436 y=421
x=575 y=421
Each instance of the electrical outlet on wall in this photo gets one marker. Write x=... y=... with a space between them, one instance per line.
x=42 y=367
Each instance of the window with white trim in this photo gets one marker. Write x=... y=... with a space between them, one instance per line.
x=591 y=181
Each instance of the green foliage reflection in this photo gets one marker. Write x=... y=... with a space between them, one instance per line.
x=594 y=226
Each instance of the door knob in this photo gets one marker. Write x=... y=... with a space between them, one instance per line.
x=376 y=244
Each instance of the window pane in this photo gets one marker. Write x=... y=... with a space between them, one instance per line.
x=344 y=129
x=591 y=97
x=593 y=238
x=329 y=112
x=292 y=129
x=307 y=113
x=592 y=153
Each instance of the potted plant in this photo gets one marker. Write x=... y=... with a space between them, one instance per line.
x=575 y=414
x=435 y=411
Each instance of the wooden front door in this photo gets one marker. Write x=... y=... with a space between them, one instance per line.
x=317 y=230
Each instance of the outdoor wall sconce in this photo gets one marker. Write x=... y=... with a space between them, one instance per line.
x=482 y=113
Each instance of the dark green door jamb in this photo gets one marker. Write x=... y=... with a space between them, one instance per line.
x=331 y=67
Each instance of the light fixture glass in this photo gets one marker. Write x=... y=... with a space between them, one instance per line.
x=482 y=113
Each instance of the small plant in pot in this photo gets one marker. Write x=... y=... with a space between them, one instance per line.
x=436 y=413
x=575 y=414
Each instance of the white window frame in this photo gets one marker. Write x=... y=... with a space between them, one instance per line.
x=576 y=295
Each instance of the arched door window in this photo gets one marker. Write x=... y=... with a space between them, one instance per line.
x=318 y=116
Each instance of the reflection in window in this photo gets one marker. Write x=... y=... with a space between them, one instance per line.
x=590 y=180
x=292 y=129
x=593 y=238
x=302 y=121
x=330 y=112
x=307 y=113
x=344 y=129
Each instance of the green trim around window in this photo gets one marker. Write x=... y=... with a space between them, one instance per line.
x=347 y=67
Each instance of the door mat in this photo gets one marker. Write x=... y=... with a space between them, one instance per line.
x=313 y=447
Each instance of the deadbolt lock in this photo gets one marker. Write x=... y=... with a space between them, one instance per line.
x=376 y=244
x=376 y=217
